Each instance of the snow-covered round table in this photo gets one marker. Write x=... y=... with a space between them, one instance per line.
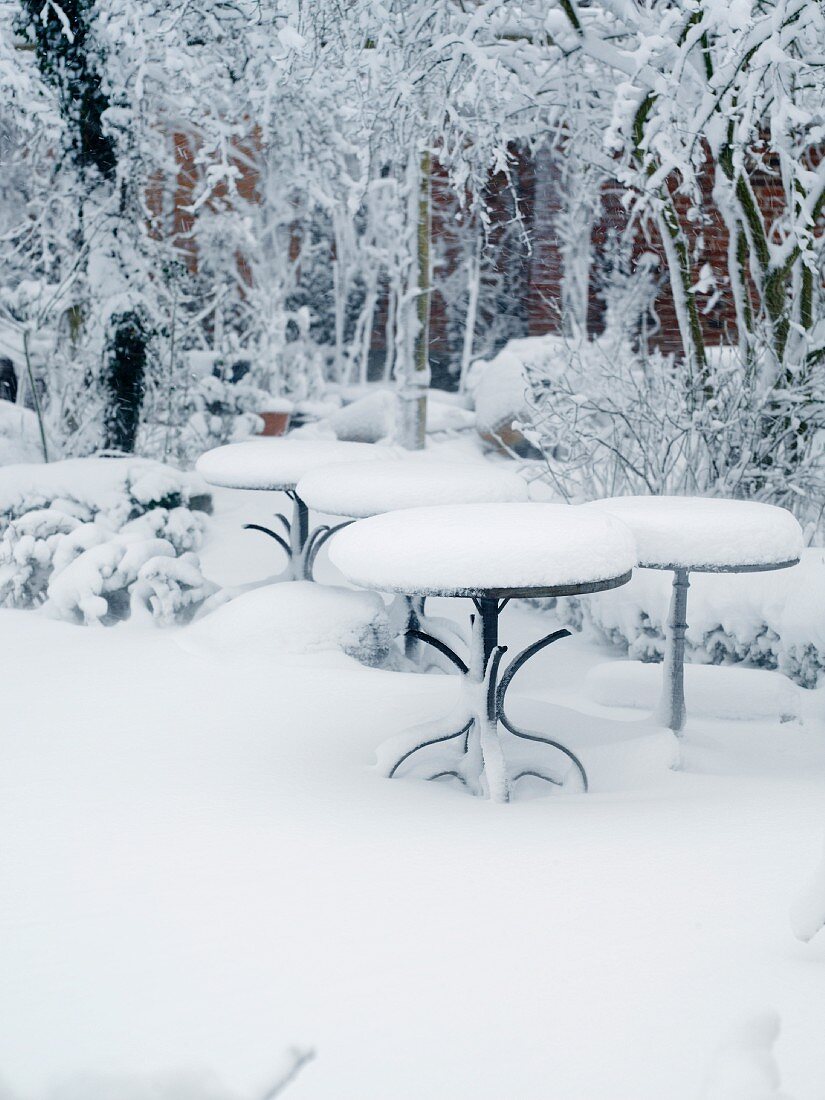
x=489 y=553
x=700 y=535
x=363 y=489
x=278 y=465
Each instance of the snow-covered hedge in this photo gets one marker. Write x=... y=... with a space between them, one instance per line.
x=770 y=620
x=95 y=540
x=114 y=490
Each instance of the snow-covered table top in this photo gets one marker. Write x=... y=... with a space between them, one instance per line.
x=278 y=463
x=486 y=550
x=360 y=489
x=707 y=534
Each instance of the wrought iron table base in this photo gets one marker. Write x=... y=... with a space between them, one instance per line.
x=468 y=744
x=300 y=545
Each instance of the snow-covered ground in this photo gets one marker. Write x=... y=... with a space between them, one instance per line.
x=199 y=868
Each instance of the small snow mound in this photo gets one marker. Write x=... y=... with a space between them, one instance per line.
x=294 y=617
x=711 y=691
x=808 y=911
x=744 y=1067
x=367 y=420
x=499 y=386
x=19 y=435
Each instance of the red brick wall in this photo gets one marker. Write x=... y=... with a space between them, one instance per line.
x=539 y=203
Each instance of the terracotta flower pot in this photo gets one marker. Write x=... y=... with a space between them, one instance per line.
x=275 y=423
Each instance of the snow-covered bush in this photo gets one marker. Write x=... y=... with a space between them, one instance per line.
x=205 y=414
x=181 y=527
x=27 y=552
x=111 y=491
x=613 y=421
x=773 y=621
x=169 y=590
x=86 y=574
x=126 y=542
x=95 y=587
x=128 y=575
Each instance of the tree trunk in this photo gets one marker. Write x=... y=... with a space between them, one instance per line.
x=412 y=394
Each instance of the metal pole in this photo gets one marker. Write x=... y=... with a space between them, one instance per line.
x=298 y=535
x=415 y=612
x=488 y=609
x=672 y=705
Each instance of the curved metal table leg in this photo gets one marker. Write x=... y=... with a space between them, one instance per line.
x=300 y=545
x=425 y=735
x=530 y=735
x=485 y=766
x=440 y=634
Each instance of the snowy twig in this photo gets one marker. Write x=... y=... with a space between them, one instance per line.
x=296 y=1058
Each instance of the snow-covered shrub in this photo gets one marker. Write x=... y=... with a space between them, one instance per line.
x=81 y=536
x=179 y=526
x=613 y=421
x=128 y=575
x=209 y=412
x=27 y=551
x=81 y=539
x=94 y=588
x=111 y=491
x=169 y=590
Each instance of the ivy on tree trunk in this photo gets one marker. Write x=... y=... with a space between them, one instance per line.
x=69 y=60
x=124 y=378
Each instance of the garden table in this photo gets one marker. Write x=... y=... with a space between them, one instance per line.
x=362 y=489
x=278 y=465
x=490 y=554
x=700 y=535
